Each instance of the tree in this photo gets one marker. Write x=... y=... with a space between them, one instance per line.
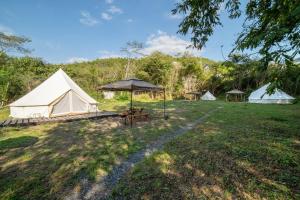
x=155 y=68
x=191 y=73
x=132 y=48
x=271 y=26
x=12 y=42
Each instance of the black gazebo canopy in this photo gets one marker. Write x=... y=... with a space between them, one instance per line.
x=132 y=85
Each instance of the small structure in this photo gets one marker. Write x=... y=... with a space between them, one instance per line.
x=132 y=85
x=235 y=95
x=208 y=97
x=108 y=94
x=58 y=95
x=278 y=97
x=195 y=95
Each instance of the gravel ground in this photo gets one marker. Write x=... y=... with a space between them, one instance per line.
x=102 y=188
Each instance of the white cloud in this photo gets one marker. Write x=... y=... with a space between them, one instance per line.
x=106 y=16
x=109 y=54
x=168 y=44
x=109 y=1
x=87 y=19
x=6 y=30
x=115 y=10
x=77 y=60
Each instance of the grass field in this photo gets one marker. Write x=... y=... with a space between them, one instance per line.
x=242 y=151
x=4 y=113
x=48 y=161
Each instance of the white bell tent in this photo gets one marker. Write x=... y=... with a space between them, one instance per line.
x=208 y=96
x=58 y=95
x=278 y=97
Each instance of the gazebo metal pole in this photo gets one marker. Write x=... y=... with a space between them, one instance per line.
x=164 y=103
x=131 y=109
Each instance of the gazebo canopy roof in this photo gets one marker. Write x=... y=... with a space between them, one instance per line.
x=235 y=91
x=195 y=93
x=131 y=85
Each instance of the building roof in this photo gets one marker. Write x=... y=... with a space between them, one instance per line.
x=235 y=91
x=195 y=93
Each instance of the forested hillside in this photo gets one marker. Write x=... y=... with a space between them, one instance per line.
x=179 y=75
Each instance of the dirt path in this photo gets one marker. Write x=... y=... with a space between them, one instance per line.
x=102 y=189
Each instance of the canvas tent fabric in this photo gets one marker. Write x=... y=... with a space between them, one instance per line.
x=278 y=97
x=58 y=95
x=208 y=97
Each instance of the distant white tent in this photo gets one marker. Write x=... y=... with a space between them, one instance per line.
x=108 y=94
x=58 y=95
x=208 y=96
x=279 y=97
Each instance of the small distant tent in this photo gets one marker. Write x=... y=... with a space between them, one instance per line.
x=58 y=95
x=208 y=96
x=278 y=97
x=108 y=95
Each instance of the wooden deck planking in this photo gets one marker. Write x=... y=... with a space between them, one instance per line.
x=13 y=122
x=35 y=121
x=1 y=122
x=7 y=122
x=20 y=122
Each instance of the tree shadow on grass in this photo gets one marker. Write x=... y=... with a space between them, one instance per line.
x=69 y=155
x=221 y=160
x=17 y=142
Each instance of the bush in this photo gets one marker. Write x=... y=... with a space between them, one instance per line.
x=122 y=96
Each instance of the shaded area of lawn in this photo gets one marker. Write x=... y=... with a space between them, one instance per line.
x=22 y=141
x=245 y=151
x=48 y=161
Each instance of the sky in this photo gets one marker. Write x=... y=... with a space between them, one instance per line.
x=66 y=31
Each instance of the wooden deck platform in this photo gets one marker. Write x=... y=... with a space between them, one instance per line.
x=69 y=118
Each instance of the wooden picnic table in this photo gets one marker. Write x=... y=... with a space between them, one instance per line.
x=135 y=115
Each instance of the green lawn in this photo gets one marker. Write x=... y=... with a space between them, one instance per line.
x=243 y=151
x=48 y=161
x=4 y=113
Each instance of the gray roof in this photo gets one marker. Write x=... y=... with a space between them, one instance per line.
x=235 y=91
x=195 y=93
x=130 y=85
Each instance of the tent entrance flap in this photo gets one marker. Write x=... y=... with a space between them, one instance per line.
x=69 y=103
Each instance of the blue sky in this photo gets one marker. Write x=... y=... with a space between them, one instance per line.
x=73 y=30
